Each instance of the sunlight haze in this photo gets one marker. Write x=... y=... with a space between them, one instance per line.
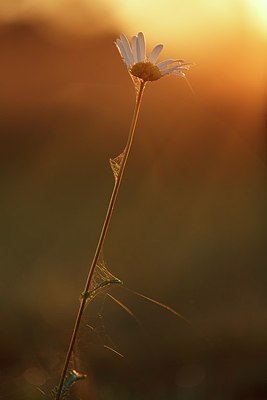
x=170 y=21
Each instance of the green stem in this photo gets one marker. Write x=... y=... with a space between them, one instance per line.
x=102 y=236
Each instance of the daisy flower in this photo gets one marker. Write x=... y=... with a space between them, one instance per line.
x=146 y=67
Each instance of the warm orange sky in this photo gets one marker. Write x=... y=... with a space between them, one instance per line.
x=163 y=19
x=219 y=36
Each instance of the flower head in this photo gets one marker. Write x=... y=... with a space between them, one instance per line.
x=146 y=67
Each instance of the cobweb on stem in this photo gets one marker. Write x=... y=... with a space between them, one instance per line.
x=97 y=326
x=116 y=163
x=102 y=279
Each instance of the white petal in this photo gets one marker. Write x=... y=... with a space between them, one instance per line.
x=179 y=73
x=155 y=53
x=163 y=64
x=186 y=65
x=176 y=69
x=171 y=70
x=138 y=52
x=127 y=48
x=120 y=49
x=134 y=48
x=141 y=46
x=123 y=53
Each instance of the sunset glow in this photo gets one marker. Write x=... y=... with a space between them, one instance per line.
x=163 y=20
x=166 y=19
x=258 y=14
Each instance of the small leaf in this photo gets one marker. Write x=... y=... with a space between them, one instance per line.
x=69 y=380
x=91 y=293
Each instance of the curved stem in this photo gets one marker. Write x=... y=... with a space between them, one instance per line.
x=102 y=236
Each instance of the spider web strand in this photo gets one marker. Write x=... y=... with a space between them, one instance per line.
x=116 y=163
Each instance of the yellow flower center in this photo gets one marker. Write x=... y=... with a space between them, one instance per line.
x=146 y=71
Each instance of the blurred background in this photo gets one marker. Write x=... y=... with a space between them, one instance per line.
x=188 y=228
